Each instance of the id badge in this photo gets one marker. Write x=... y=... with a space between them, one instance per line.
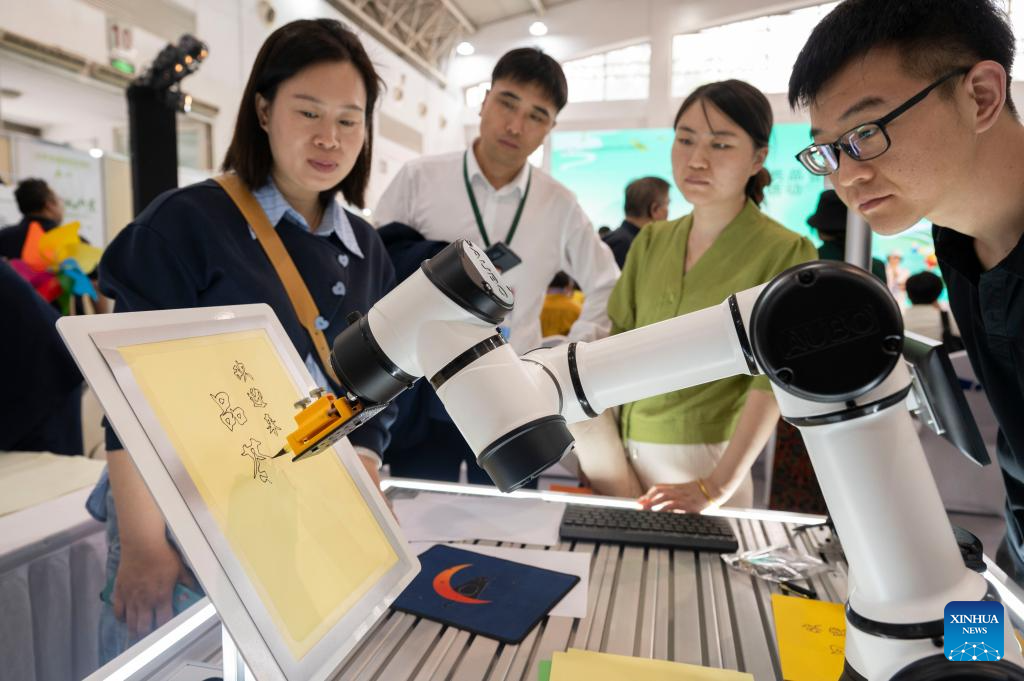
x=503 y=257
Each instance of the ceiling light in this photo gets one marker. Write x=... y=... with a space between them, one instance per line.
x=96 y=152
x=465 y=48
x=538 y=28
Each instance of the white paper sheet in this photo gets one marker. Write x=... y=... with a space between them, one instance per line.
x=450 y=517
x=574 y=604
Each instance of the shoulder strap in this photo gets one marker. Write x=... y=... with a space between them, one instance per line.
x=298 y=293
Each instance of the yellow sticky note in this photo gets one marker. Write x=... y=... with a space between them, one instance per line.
x=301 y=531
x=811 y=636
x=577 y=665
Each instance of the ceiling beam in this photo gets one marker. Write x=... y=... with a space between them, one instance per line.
x=538 y=6
x=454 y=10
x=426 y=26
x=373 y=26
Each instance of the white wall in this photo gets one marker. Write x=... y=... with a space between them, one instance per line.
x=234 y=32
x=66 y=108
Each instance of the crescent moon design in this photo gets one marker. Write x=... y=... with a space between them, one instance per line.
x=443 y=586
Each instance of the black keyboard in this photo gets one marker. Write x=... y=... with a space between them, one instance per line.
x=652 y=528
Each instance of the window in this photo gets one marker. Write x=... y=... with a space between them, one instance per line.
x=615 y=75
x=760 y=51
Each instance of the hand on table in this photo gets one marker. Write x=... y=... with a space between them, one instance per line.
x=686 y=497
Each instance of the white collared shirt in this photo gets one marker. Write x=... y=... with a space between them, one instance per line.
x=554 y=234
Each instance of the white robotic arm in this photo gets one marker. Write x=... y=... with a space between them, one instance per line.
x=828 y=336
x=440 y=323
x=677 y=353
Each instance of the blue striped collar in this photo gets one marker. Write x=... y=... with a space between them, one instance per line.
x=335 y=218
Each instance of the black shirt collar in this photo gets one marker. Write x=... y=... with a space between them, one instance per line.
x=46 y=223
x=1014 y=261
x=956 y=250
x=629 y=227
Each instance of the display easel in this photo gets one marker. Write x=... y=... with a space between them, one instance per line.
x=234 y=665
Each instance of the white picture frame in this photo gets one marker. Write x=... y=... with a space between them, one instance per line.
x=94 y=341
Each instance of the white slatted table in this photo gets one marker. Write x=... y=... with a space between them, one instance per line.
x=651 y=602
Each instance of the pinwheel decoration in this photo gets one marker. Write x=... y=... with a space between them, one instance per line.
x=57 y=263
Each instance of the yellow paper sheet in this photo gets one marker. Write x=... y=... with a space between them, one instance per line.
x=583 y=665
x=811 y=636
x=301 y=531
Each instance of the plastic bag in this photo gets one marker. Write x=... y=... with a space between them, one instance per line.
x=781 y=563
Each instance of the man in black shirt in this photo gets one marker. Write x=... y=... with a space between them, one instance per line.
x=37 y=203
x=912 y=118
x=646 y=202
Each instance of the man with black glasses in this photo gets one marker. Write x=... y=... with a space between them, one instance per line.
x=912 y=118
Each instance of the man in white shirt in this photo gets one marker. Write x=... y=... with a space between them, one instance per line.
x=490 y=194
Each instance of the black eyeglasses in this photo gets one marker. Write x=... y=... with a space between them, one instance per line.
x=867 y=140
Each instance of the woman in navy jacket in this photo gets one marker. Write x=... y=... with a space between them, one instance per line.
x=304 y=134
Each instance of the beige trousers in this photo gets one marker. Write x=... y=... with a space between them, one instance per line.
x=657 y=464
x=628 y=471
x=602 y=458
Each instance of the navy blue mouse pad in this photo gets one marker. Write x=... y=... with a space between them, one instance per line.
x=484 y=595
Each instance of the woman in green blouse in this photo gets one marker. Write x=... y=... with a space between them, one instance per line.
x=693 y=448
